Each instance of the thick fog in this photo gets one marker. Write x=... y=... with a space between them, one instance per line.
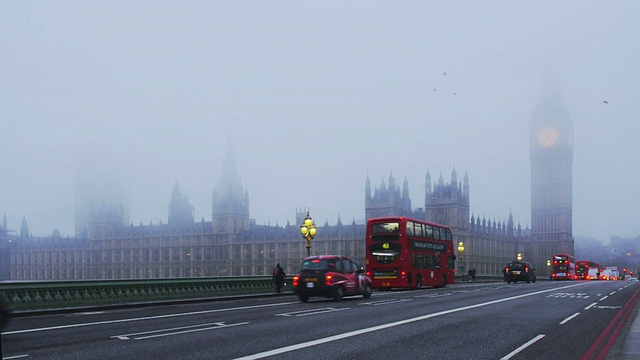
x=312 y=97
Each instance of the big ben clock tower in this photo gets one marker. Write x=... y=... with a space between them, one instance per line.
x=551 y=148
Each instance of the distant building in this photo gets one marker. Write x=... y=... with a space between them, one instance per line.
x=232 y=245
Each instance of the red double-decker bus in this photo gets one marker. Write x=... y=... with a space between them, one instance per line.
x=408 y=253
x=588 y=270
x=564 y=267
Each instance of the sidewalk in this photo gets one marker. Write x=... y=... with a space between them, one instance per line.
x=627 y=345
x=631 y=347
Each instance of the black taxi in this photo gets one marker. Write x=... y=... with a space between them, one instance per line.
x=519 y=271
x=331 y=276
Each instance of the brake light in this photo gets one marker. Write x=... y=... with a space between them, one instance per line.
x=368 y=273
x=403 y=273
x=328 y=279
x=296 y=281
x=507 y=269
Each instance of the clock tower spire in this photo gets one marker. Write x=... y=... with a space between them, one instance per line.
x=551 y=150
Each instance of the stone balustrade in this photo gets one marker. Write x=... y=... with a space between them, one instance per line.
x=43 y=295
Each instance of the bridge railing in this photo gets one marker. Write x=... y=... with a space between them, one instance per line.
x=42 y=295
x=45 y=295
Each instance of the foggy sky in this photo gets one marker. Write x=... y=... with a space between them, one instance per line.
x=313 y=97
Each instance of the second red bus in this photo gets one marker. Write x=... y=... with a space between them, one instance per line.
x=564 y=267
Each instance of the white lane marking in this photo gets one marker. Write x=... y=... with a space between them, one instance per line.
x=171 y=332
x=144 y=318
x=312 y=311
x=609 y=307
x=611 y=293
x=388 y=325
x=90 y=313
x=14 y=357
x=569 y=318
x=385 y=302
x=569 y=295
x=602 y=298
x=590 y=306
x=524 y=346
x=434 y=295
x=127 y=336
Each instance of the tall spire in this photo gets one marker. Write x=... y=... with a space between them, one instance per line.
x=230 y=201
x=551 y=107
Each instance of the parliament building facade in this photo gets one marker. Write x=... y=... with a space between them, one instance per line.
x=108 y=246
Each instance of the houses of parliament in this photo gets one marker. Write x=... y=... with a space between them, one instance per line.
x=108 y=246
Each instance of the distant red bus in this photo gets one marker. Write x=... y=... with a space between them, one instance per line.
x=407 y=253
x=588 y=270
x=564 y=267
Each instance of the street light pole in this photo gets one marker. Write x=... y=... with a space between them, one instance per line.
x=308 y=231
x=461 y=250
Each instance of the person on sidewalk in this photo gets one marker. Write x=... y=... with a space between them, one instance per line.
x=278 y=277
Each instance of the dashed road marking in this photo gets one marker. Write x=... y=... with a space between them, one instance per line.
x=312 y=311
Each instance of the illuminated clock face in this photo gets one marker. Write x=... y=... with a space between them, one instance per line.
x=547 y=137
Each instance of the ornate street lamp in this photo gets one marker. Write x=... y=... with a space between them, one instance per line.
x=461 y=250
x=308 y=230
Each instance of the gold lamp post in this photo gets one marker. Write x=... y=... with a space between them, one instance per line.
x=461 y=250
x=308 y=231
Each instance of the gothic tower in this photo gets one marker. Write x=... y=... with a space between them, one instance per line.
x=5 y=251
x=387 y=200
x=180 y=210
x=551 y=150
x=230 y=203
x=448 y=204
x=101 y=206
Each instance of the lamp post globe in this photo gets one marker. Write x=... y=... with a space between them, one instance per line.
x=308 y=230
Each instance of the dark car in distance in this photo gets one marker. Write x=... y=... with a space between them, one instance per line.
x=331 y=276
x=519 y=271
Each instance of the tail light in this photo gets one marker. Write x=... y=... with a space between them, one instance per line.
x=296 y=281
x=368 y=273
x=507 y=269
x=328 y=279
x=403 y=273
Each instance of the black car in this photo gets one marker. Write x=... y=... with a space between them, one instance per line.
x=519 y=271
x=332 y=276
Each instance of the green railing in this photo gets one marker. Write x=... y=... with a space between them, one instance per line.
x=43 y=295
x=25 y=297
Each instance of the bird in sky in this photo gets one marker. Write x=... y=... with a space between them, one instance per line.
x=606 y=102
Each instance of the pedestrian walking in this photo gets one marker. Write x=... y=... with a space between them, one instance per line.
x=278 y=277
